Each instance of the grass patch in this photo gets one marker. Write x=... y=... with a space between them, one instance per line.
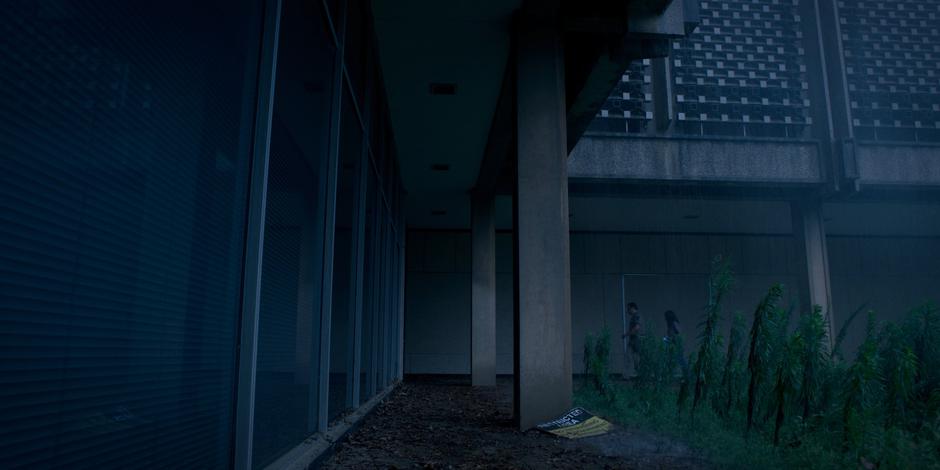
x=776 y=395
x=719 y=440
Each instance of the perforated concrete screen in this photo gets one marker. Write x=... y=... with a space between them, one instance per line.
x=742 y=72
x=892 y=64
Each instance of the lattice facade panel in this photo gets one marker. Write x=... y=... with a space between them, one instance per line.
x=628 y=109
x=892 y=65
x=742 y=72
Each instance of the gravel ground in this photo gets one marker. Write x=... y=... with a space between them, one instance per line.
x=447 y=424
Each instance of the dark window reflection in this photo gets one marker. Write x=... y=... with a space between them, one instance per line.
x=289 y=328
x=125 y=138
x=369 y=293
x=343 y=317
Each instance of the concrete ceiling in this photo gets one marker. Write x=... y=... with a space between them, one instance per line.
x=464 y=42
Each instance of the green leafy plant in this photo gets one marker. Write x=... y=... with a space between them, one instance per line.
x=719 y=284
x=657 y=363
x=732 y=371
x=788 y=368
x=900 y=367
x=587 y=358
x=786 y=399
x=862 y=389
x=597 y=362
x=837 y=344
x=757 y=357
x=813 y=357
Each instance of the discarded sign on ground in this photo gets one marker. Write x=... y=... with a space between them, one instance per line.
x=576 y=424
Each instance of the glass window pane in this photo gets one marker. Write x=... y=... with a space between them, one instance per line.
x=396 y=306
x=366 y=377
x=356 y=42
x=382 y=301
x=289 y=327
x=336 y=8
x=125 y=129
x=343 y=313
x=389 y=286
x=379 y=124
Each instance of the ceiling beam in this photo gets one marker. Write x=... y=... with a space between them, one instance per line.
x=497 y=155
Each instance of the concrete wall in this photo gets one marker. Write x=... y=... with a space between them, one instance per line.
x=917 y=165
x=661 y=272
x=437 y=303
x=890 y=275
x=660 y=158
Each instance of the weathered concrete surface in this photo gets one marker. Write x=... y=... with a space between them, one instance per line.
x=677 y=19
x=543 y=287
x=813 y=257
x=651 y=158
x=483 y=296
x=898 y=164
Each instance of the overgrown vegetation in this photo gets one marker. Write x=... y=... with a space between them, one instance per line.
x=597 y=364
x=785 y=395
x=705 y=368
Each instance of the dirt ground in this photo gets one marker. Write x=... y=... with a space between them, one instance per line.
x=447 y=424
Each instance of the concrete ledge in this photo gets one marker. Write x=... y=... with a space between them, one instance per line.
x=677 y=158
x=314 y=450
x=898 y=164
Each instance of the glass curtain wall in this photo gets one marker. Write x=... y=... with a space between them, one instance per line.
x=125 y=135
x=128 y=143
x=287 y=391
x=318 y=134
x=344 y=270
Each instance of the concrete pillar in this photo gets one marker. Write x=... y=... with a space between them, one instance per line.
x=810 y=233
x=662 y=94
x=542 y=360
x=483 y=301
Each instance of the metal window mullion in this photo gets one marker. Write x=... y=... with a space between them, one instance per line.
x=336 y=31
x=254 y=240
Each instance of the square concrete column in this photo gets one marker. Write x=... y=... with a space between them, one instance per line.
x=662 y=93
x=483 y=295
x=542 y=361
x=810 y=233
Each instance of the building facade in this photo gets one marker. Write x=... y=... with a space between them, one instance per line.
x=230 y=228
x=796 y=139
